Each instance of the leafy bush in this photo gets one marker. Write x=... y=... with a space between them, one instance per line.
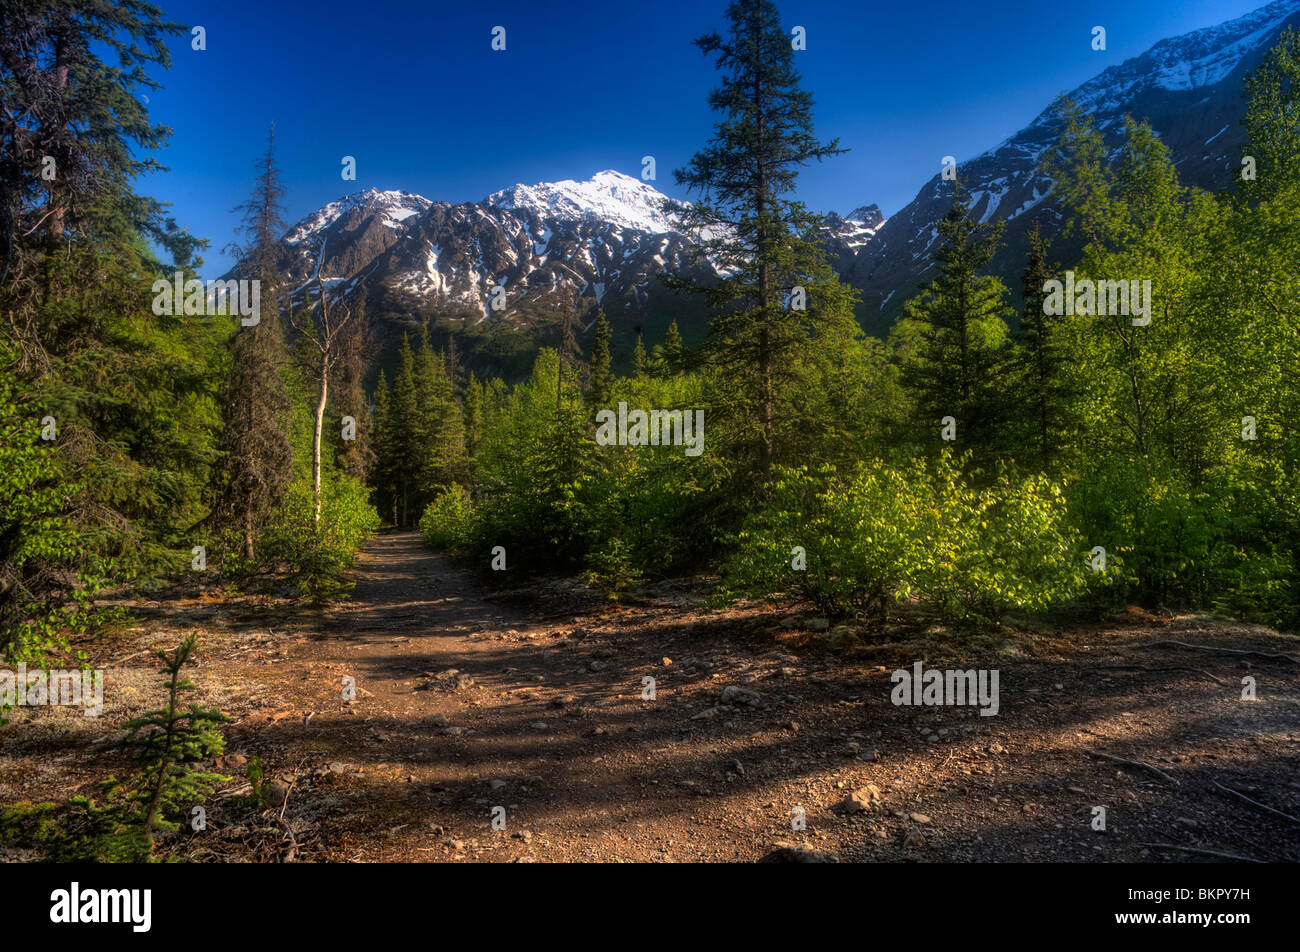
x=447 y=522
x=610 y=568
x=886 y=533
x=854 y=536
x=45 y=588
x=988 y=551
x=318 y=554
x=1227 y=544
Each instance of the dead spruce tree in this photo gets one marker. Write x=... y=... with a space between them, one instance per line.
x=257 y=460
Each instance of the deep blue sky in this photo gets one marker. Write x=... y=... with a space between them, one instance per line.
x=414 y=91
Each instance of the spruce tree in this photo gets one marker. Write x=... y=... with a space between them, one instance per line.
x=673 y=352
x=63 y=103
x=167 y=741
x=441 y=428
x=475 y=411
x=257 y=460
x=569 y=351
x=404 y=435
x=958 y=367
x=131 y=391
x=640 y=363
x=1040 y=404
x=384 y=470
x=455 y=369
x=779 y=303
x=601 y=381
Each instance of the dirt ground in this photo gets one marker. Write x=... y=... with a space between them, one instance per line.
x=530 y=707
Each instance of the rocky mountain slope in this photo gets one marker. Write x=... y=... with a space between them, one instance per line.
x=1189 y=88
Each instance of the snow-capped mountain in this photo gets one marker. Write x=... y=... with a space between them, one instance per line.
x=603 y=241
x=1189 y=88
x=608 y=196
x=846 y=236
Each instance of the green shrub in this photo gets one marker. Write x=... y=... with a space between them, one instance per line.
x=886 y=533
x=610 y=568
x=1229 y=544
x=995 y=549
x=319 y=554
x=46 y=590
x=447 y=523
x=847 y=572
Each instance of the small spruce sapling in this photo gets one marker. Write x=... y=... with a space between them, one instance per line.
x=166 y=742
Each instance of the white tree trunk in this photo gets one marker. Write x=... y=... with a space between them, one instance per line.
x=315 y=446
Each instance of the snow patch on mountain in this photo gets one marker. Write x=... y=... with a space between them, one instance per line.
x=607 y=196
x=394 y=206
x=1192 y=61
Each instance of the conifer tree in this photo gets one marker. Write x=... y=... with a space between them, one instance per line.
x=167 y=741
x=64 y=104
x=958 y=367
x=475 y=412
x=257 y=460
x=79 y=249
x=455 y=369
x=673 y=352
x=1041 y=404
x=766 y=242
x=441 y=428
x=601 y=382
x=570 y=353
x=404 y=435
x=640 y=363
x=384 y=477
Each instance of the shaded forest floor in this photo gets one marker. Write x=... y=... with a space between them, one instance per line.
x=531 y=700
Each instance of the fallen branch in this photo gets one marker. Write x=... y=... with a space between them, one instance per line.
x=1240 y=651
x=292 y=852
x=1255 y=803
x=285 y=805
x=1133 y=763
x=1192 y=849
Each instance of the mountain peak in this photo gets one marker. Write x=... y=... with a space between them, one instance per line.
x=614 y=176
x=396 y=205
x=868 y=215
x=1188 y=88
x=1193 y=60
x=610 y=195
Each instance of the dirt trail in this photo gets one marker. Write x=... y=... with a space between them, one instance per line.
x=537 y=702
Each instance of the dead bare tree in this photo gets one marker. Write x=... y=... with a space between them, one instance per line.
x=323 y=327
